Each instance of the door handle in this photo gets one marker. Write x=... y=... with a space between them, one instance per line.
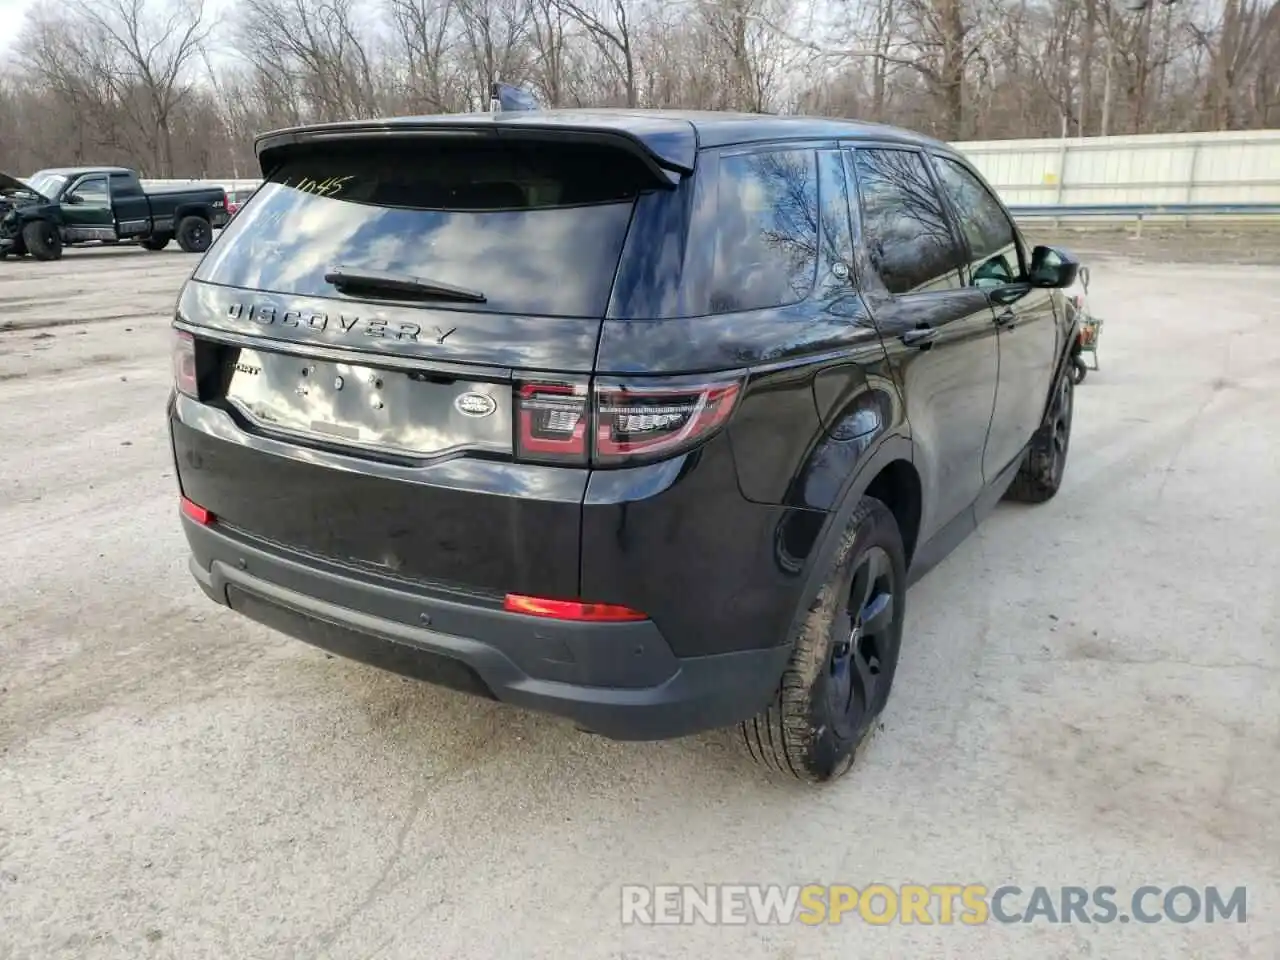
x=920 y=337
x=1008 y=320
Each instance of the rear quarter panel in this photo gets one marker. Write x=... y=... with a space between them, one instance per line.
x=823 y=350
x=676 y=540
x=819 y=406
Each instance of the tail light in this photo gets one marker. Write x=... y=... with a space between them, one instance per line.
x=636 y=423
x=184 y=364
x=570 y=609
x=551 y=422
x=618 y=423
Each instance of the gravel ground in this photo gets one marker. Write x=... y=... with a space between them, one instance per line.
x=1088 y=695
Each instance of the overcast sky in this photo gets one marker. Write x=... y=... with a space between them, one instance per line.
x=11 y=14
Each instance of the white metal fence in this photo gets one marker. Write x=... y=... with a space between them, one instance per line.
x=1187 y=168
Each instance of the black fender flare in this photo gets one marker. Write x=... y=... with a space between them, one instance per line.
x=38 y=216
x=893 y=446
x=44 y=216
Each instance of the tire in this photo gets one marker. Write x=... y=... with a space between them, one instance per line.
x=194 y=234
x=42 y=240
x=1078 y=370
x=1045 y=461
x=843 y=660
x=157 y=241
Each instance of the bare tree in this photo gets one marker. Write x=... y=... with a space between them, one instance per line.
x=608 y=25
x=494 y=33
x=748 y=53
x=310 y=57
x=149 y=52
x=1235 y=45
x=141 y=83
x=424 y=29
x=549 y=36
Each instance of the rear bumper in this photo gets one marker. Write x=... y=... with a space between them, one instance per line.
x=620 y=680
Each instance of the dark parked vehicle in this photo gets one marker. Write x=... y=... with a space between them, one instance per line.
x=59 y=208
x=646 y=419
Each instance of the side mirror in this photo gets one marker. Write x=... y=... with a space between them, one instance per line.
x=1052 y=267
x=73 y=199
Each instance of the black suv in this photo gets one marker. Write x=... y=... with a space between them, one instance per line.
x=646 y=419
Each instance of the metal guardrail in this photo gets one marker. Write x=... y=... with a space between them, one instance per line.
x=1141 y=212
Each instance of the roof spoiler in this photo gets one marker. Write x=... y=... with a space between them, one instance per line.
x=669 y=157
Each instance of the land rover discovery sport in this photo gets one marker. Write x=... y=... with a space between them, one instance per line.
x=646 y=419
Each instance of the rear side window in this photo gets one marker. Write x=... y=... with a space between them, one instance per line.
x=123 y=186
x=766 y=242
x=837 y=233
x=536 y=228
x=906 y=231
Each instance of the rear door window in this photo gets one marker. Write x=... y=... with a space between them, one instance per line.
x=906 y=231
x=766 y=241
x=993 y=246
x=536 y=228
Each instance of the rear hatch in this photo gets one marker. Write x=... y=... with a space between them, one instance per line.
x=397 y=336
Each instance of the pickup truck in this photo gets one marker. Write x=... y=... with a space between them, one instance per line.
x=56 y=208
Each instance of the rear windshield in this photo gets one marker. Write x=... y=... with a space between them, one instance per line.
x=536 y=228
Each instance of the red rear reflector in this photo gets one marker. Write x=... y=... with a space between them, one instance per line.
x=196 y=512
x=569 y=609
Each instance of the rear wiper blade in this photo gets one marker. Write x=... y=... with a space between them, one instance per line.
x=349 y=279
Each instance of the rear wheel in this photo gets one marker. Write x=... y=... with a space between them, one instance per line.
x=845 y=656
x=42 y=240
x=157 y=241
x=194 y=234
x=1045 y=461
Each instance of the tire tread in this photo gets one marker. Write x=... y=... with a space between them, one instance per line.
x=181 y=234
x=34 y=240
x=781 y=737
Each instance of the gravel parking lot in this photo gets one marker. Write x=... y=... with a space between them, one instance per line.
x=1088 y=694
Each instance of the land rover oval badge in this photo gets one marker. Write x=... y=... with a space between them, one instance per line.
x=475 y=404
